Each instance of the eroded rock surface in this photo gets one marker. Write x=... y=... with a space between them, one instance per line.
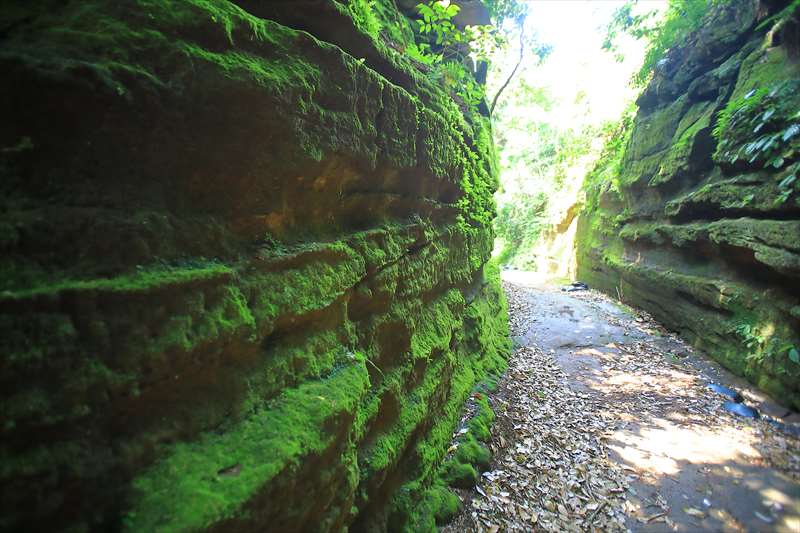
x=700 y=224
x=243 y=267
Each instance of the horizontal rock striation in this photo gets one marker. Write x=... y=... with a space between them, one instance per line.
x=700 y=224
x=244 y=268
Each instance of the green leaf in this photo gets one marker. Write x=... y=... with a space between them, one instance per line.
x=794 y=355
x=790 y=132
x=769 y=143
x=787 y=181
x=749 y=148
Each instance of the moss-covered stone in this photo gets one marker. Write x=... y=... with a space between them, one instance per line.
x=461 y=469
x=245 y=277
x=708 y=244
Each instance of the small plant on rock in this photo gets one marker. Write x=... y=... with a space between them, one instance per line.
x=751 y=338
x=762 y=347
x=461 y=83
x=762 y=129
x=437 y=17
x=450 y=50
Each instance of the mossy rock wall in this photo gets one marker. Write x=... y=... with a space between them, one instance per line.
x=244 y=267
x=700 y=228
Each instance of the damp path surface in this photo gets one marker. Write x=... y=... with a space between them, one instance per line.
x=605 y=422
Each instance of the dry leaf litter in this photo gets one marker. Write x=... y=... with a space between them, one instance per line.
x=551 y=469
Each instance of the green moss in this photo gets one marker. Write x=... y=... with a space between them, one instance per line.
x=481 y=332
x=185 y=491
x=118 y=45
x=443 y=504
x=775 y=243
x=470 y=451
x=363 y=14
x=460 y=475
x=436 y=506
x=276 y=74
x=488 y=330
x=651 y=136
x=248 y=362
x=414 y=410
x=307 y=287
x=461 y=470
x=677 y=160
x=435 y=327
x=433 y=333
x=411 y=513
x=397 y=27
x=480 y=424
x=145 y=279
x=305 y=356
x=761 y=69
x=686 y=248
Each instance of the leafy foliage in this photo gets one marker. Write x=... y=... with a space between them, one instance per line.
x=750 y=337
x=547 y=168
x=615 y=137
x=552 y=152
x=770 y=126
x=501 y=10
x=763 y=347
x=421 y=54
x=446 y=51
x=606 y=170
x=436 y=19
x=362 y=12
x=519 y=224
x=461 y=83
x=680 y=19
x=624 y=21
x=789 y=183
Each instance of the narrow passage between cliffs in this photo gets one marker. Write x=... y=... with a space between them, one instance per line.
x=605 y=422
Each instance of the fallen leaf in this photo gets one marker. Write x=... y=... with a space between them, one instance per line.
x=694 y=512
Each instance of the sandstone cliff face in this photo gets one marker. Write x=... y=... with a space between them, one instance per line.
x=244 y=280
x=700 y=223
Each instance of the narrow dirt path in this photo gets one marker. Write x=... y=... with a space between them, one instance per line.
x=605 y=422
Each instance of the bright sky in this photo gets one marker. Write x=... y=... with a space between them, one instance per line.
x=577 y=65
x=575 y=29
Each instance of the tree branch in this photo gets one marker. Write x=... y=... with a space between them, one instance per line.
x=513 y=72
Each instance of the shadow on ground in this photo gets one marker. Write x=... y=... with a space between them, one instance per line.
x=691 y=465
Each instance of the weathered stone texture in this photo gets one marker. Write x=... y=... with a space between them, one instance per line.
x=244 y=281
x=700 y=227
